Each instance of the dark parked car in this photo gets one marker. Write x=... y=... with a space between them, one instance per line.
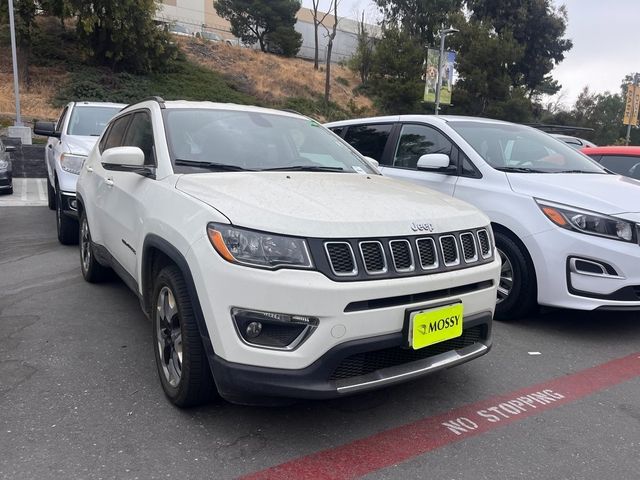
x=621 y=160
x=6 y=177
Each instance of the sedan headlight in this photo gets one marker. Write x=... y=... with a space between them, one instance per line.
x=72 y=163
x=591 y=223
x=258 y=249
x=4 y=165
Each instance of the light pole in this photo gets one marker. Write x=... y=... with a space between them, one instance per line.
x=16 y=87
x=443 y=35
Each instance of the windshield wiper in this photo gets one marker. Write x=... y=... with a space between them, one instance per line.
x=520 y=170
x=221 y=167
x=576 y=171
x=304 y=168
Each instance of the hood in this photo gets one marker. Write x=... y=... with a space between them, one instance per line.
x=80 y=145
x=608 y=194
x=328 y=205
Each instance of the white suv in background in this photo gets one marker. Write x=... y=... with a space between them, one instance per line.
x=566 y=229
x=71 y=139
x=273 y=260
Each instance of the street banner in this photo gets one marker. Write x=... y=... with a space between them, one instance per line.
x=632 y=106
x=431 y=76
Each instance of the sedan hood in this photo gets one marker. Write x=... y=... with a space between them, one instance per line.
x=328 y=205
x=608 y=194
x=80 y=145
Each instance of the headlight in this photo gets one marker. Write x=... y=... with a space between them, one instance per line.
x=591 y=223
x=258 y=249
x=72 y=163
x=4 y=165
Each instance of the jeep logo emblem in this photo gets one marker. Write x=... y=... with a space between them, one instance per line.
x=422 y=227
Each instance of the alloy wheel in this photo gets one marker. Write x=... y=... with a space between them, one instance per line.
x=85 y=245
x=169 y=336
x=506 y=278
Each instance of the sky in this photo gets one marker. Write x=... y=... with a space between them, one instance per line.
x=604 y=35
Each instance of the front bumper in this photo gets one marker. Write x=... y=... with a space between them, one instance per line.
x=69 y=204
x=560 y=284
x=364 y=312
x=350 y=367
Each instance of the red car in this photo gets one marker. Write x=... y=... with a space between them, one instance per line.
x=622 y=160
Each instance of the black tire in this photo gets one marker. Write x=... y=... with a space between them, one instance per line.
x=522 y=299
x=185 y=377
x=92 y=270
x=51 y=196
x=67 y=226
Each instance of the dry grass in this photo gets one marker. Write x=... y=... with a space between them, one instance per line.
x=35 y=97
x=271 y=78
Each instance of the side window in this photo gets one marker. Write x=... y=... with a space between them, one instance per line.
x=369 y=140
x=619 y=164
x=467 y=169
x=140 y=134
x=337 y=130
x=418 y=140
x=61 y=120
x=113 y=138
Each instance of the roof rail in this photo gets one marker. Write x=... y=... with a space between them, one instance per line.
x=154 y=98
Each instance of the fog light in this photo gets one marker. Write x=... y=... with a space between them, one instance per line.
x=254 y=329
x=73 y=203
x=280 y=331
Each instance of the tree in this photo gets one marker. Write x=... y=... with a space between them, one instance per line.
x=420 y=19
x=331 y=35
x=395 y=72
x=539 y=28
x=268 y=23
x=484 y=86
x=122 y=35
x=362 y=59
x=25 y=23
x=61 y=9
x=317 y=21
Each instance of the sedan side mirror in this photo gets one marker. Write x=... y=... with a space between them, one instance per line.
x=47 y=129
x=433 y=161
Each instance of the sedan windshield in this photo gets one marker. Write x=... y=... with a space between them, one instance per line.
x=229 y=140
x=516 y=148
x=90 y=121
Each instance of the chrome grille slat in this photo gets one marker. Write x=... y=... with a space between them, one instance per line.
x=402 y=255
x=341 y=258
x=427 y=253
x=373 y=257
x=469 y=250
x=450 y=252
x=485 y=243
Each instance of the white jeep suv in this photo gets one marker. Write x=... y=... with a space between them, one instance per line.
x=274 y=261
x=71 y=139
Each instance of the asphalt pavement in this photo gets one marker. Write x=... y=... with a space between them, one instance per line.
x=80 y=397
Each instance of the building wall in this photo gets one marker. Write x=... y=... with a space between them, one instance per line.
x=199 y=14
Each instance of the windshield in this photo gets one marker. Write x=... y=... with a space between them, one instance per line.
x=90 y=121
x=241 y=140
x=516 y=148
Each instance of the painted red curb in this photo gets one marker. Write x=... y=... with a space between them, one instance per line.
x=402 y=443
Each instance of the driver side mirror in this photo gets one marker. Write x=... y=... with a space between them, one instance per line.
x=434 y=161
x=46 y=129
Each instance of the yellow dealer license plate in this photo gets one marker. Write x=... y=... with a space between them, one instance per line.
x=435 y=325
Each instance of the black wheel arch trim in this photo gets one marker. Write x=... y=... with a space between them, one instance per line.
x=154 y=241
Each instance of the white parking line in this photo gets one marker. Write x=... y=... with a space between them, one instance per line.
x=26 y=192
x=40 y=183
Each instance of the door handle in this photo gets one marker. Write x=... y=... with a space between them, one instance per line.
x=89 y=168
x=109 y=182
